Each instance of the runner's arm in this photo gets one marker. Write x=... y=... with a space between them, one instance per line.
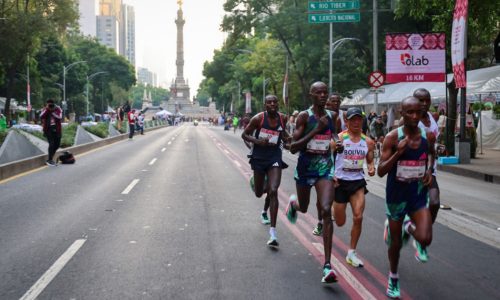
x=431 y=139
x=369 y=156
x=252 y=126
x=287 y=138
x=389 y=154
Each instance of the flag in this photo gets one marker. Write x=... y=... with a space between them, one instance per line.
x=285 y=84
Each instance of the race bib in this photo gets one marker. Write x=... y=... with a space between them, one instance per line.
x=319 y=144
x=353 y=163
x=410 y=170
x=271 y=135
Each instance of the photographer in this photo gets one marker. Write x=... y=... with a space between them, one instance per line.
x=51 y=121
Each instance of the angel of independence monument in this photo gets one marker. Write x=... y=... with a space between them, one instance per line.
x=180 y=101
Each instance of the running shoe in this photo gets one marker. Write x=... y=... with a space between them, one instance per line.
x=353 y=260
x=273 y=243
x=318 y=230
x=50 y=163
x=252 y=184
x=329 y=275
x=264 y=219
x=405 y=236
x=387 y=234
x=393 y=288
x=421 y=252
x=290 y=211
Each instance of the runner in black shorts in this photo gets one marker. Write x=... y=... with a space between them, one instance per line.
x=350 y=184
x=266 y=131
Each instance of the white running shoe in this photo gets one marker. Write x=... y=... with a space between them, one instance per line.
x=353 y=260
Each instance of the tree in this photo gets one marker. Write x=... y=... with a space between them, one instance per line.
x=24 y=24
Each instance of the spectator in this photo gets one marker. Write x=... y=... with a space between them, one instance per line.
x=3 y=123
x=140 y=122
x=377 y=128
x=131 y=123
x=51 y=117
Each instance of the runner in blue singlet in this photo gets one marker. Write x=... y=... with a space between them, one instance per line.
x=312 y=137
x=408 y=159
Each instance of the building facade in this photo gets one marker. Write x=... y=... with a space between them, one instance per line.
x=88 y=9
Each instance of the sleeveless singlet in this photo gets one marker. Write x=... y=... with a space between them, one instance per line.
x=434 y=128
x=274 y=151
x=316 y=160
x=349 y=163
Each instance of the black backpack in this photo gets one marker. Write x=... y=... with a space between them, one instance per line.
x=66 y=158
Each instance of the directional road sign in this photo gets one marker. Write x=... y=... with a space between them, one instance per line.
x=333 y=5
x=334 y=18
x=379 y=90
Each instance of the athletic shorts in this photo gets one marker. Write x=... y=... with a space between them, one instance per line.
x=347 y=188
x=263 y=165
x=405 y=199
x=311 y=180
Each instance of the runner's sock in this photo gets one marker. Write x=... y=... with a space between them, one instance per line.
x=407 y=227
x=393 y=275
x=272 y=232
x=350 y=251
x=264 y=212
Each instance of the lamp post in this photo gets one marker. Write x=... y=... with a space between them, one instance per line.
x=65 y=70
x=87 y=93
x=333 y=47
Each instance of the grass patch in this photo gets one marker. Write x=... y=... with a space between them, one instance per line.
x=124 y=127
x=101 y=129
x=68 y=135
x=38 y=135
x=3 y=135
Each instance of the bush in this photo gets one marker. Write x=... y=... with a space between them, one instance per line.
x=124 y=127
x=496 y=111
x=3 y=135
x=101 y=129
x=38 y=134
x=68 y=135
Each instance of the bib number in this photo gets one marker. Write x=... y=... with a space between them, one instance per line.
x=319 y=144
x=410 y=170
x=353 y=163
x=271 y=135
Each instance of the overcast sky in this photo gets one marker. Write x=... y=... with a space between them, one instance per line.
x=156 y=36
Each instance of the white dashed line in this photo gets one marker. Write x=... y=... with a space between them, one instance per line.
x=130 y=186
x=152 y=161
x=226 y=151
x=169 y=143
x=163 y=150
x=52 y=272
x=237 y=163
x=347 y=276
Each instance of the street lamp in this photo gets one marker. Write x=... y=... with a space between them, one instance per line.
x=65 y=70
x=333 y=48
x=88 y=78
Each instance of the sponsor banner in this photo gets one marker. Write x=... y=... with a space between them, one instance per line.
x=459 y=42
x=415 y=57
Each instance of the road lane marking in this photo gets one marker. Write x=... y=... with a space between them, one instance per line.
x=169 y=143
x=130 y=187
x=163 y=149
x=226 y=151
x=237 y=163
x=152 y=161
x=52 y=272
x=346 y=275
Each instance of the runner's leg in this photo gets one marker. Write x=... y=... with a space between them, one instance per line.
x=422 y=232
x=274 y=180
x=357 y=201
x=434 y=199
x=324 y=190
x=395 y=228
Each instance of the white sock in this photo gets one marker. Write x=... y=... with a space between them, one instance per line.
x=407 y=227
x=264 y=212
x=320 y=221
x=350 y=251
x=393 y=275
x=272 y=232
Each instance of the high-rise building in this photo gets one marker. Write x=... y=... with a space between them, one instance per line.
x=108 y=23
x=145 y=76
x=88 y=10
x=127 y=33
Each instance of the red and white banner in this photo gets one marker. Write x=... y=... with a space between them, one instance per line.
x=248 y=102
x=459 y=42
x=415 y=57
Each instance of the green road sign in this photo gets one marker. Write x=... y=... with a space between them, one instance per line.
x=333 y=5
x=334 y=18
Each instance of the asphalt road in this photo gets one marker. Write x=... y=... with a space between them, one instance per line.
x=170 y=215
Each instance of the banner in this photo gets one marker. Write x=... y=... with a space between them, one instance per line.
x=415 y=57
x=248 y=102
x=459 y=42
x=285 y=89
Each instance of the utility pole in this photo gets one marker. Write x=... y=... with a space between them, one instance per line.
x=375 y=50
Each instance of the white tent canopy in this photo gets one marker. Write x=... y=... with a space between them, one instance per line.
x=480 y=81
x=163 y=113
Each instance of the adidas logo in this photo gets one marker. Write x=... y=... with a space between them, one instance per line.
x=276 y=164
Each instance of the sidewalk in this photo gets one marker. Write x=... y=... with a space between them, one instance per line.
x=484 y=167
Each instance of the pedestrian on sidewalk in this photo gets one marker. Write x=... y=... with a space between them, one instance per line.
x=315 y=129
x=51 y=117
x=131 y=123
x=267 y=135
x=408 y=159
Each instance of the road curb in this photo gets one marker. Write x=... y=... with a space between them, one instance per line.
x=469 y=173
x=17 y=167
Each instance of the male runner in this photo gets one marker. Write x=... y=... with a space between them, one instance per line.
x=266 y=131
x=314 y=131
x=350 y=184
x=429 y=125
x=332 y=104
x=408 y=159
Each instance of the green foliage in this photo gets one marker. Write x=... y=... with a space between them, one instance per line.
x=158 y=95
x=39 y=135
x=68 y=135
x=3 y=135
x=101 y=129
x=496 y=111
